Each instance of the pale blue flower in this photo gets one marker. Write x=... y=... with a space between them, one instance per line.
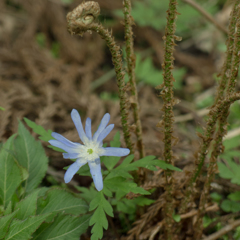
x=91 y=149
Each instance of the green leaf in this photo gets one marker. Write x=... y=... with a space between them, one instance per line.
x=120 y=183
x=229 y=144
x=27 y=206
x=230 y=206
x=30 y=155
x=101 y=206
x=129 y=206
x=22 y=230
x=59 y=200
x=10 y=173
x=142 y=201
x=87 y=194
x=164 y=165
x=44 y=135
x=234 y=196
x=1 y=108
x=148 y=162
x=107 y=192
x=110 y=162
x=8 y=209
x=5 y=222
x=230 y=172
x=177 y=218
x=216 y=197
x=64 y=227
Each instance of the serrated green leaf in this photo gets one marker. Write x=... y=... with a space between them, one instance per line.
x=129 y=206
x=230 y=172
x=95 y=201
x=162 y=164
x=44 y=135
x=5 y=222
x=120 y=183
x=127 y=160
x=22 y=230
x=9 y=172
x=231 y=143
x=100 y=200
x=145 y=162
x=28 y=206
x=99 y=217
x=107 y=192
x=59 y=200
x=97 y=232
x=31 y=155
x=87 y=194
x=107 y=208
x=101 y=205
x=64 y=227
x=110 y=162
x=142 y=201
x=224 y=171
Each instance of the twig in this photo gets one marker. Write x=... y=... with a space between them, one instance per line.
x=206 y=14
x=224 y=230
x=222 y=219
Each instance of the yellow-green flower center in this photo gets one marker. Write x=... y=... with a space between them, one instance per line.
x=90 y=151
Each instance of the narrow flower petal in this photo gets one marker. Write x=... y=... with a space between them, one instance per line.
x=72 y=170
x=105 y=132
x=95 y=169
x=78 y=124
x=63 y=140
x=103 y=124
x=64 y=147
x=88 y=128
x=113 y=151
x=71 y=155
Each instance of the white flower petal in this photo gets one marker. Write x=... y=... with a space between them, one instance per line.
x=64 y=147
x=88 y=128
x=71 y=155
x=103 y=124
x=78 y=124
x=95 y=169
x=63 y=140
x=114 y=151
x=71 y=171
x=105 y=132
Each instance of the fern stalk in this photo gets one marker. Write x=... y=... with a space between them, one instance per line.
x=168 y=117
x=81 y=20
x=214 y=114
x=222 y=130
x=224 y=75
x=131 y=59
